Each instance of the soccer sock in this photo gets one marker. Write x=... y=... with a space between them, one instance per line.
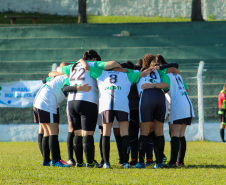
x=101 y=151
x=160 y=144
x=40 y=137
x=45 y=149
x=182 y=149
x=143 y=141
x=70 y=138
x=174 y=149
x=119 y=146
x=88 y=145
x=222 y=134
x=149 y=150
x=59 y=157
x=125 y=148
x=78 y=148
x=106 y=148
x=153 y=138
x=134 y=148
x=54 y=148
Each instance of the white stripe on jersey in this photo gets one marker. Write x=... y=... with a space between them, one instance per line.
x=50 y=96
x=153 y=77
x=79 y=76
x=180 y=105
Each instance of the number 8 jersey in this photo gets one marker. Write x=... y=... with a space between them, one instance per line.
x=79 y=76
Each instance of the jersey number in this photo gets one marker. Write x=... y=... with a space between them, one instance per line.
x=180 y=83
x=152 y=75
x=79 y=77
x=113 y=79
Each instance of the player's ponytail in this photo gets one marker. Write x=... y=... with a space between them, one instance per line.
x=91 y=55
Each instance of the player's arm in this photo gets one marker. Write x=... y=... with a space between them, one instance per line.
x=83 y=87
x=146 y=72
x=111 y=65
x=161 y=85
x=84 y=64
x=54 y=74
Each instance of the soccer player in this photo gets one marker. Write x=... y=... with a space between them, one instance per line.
x=222 y=111
x=114 y=88
x=46 y=112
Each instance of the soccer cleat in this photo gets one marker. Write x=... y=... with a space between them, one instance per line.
x=133 y=162
x=46 y=163
x=170 y=165
x=71 y=162
x=59 y=164
x=180 y=164
x=95 y=162
x=62 y=161
x=164 y=159
x=106 y=165
x=126 y=165
x=90 y=165
x=80 y=165
x=150 y=162
x=158 y=165
x=139 y=165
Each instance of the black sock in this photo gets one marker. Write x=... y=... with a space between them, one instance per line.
x=106 y=148
x=40 y=136
x=119 y=146
x=143 y=141
x=45 y=149
x=222 y=134
x=78 y=148
x=54 y=147
x=70 y=138
x=149 y=150
x=182 y=149
x=101 y=151
x=125 y=148
x=88 y=145
x=59 y=157
x=160 y=144
x=134 y=148
x=153 y=138
x=174 y=149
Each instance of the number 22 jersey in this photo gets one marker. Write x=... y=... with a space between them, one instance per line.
x=114 y=88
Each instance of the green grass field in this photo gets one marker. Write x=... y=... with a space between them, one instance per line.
x=20 y=163
x=56 y=19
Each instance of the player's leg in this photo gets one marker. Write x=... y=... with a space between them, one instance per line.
x=182 y=146
x=40 y=137
x=223 y=124
x=149 y=153
x=118 y=139
x=45 y=145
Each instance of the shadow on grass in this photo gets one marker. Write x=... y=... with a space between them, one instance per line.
x=205 y=166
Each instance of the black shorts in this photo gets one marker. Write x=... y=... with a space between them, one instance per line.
x=186 y=121
x=109 y=115
x=222 y=114
x=83 y=115
x=41 y=116
x=152 y=105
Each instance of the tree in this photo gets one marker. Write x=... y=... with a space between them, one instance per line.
x=82 y=11
x=196 y=14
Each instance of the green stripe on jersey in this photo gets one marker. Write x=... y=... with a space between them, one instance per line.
x=133 y=77
x=66 y=69
x=162 y=72
x=185 y=85
x=95 y=72
x=166 y=79
x=66 y=82
x=48 y=78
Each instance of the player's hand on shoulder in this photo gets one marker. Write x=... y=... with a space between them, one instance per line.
x=85 y=87
x=145 y=86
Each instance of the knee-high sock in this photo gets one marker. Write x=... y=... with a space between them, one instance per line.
x=125 y=148
x=174 y=149
x=70 y=138
x=182 y=149
x=153 y=138
x=149 y=150
x=88 y=145
x=222 y=134
x=142 y=147
x=119 y=146
x=45 y=149
x=106 y=148
x=40 y=137
x=78 y=148
x=54 y=147
x=160 y=144
x=101 y=151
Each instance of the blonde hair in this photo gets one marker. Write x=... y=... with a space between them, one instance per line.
x=224 y=87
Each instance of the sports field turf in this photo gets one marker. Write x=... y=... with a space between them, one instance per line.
x=20 y=163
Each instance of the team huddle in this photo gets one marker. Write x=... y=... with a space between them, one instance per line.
x=131 y=99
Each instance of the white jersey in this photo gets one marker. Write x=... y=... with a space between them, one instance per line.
x=153 y=77
x=79 y=76
x=114 y=88
x=50 y=96
x=180 y=105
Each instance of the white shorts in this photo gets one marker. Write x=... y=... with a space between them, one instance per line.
x=114 y=125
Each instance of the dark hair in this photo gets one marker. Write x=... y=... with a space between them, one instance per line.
x=159 y=60
x=91 y=55
x=147 y=59
x=139 y=62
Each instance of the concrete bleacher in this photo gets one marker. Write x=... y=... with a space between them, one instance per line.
x=28 y=52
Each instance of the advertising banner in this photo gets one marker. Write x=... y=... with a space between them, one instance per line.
x=19 y=93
